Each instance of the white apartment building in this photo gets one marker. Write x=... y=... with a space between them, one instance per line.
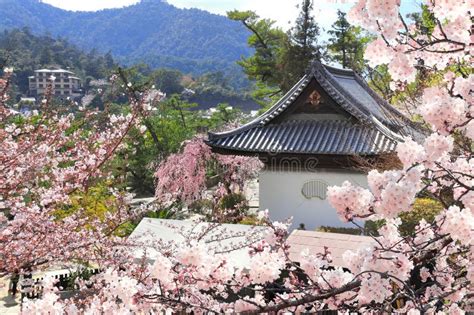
x=66 y=84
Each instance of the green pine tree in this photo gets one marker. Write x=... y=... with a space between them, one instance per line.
x=347 y=44
x=280 y=58
x=268 y=43
x=303 y=46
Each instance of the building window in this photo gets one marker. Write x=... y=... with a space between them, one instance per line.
x=40 y=85
x=315 y=189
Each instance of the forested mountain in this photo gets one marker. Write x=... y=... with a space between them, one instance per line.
x=152 y=31
x=26 y=52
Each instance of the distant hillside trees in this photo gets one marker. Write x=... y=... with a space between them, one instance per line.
x=154 y=32
x=26 y=52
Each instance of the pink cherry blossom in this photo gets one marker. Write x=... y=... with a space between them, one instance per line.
x=40 y=170
x=409 y=152
x=401 y=68
x=349 y=200
x=378 y=53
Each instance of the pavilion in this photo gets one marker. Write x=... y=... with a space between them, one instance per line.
x=315 y=136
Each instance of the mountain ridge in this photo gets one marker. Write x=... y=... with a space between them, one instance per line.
x=152 y=31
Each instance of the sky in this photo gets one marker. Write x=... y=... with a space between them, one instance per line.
x=282 y=11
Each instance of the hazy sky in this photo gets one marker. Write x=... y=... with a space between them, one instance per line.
x=283 y=11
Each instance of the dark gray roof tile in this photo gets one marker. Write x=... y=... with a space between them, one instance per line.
x=319 y=137
x=377 y=127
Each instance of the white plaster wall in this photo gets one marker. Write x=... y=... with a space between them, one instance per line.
x=280 y=193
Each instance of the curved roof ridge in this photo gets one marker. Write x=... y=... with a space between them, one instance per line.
x=384 y=103
x=386 y=131
x=396 y=118
x=349 y=90
x=340 y=71
x=338 y=93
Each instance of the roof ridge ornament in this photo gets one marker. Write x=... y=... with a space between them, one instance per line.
x=313 y=66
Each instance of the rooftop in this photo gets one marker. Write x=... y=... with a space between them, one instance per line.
x=54 y=71
x=224 y=237
x=329 y=111
x=316 y=242
x=221 y=237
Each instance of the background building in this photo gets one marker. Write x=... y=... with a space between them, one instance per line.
x=66 y=83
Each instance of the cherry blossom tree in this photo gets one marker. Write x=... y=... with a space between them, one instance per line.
x=429 y=271
x=47 y=157
x=183 y=177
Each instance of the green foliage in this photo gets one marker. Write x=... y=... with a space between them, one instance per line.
x=423 y=208
x=341 y=230
x=26 y=52
x=206 y=91
x=174 y=121
x=371 y=227
x=231 y=208
x=303 y=47
x=154 y=32
x=232 y=201
x=70 y=282
x=168 y=81
x=425 y=20
x=217 y=87
x=250 y=220
x=97 y=201
x=347 y=43
x=379 y=80
x=268 y=42
x=222 y=116
x=280 y=59
x=167 y=128
x=202 y=206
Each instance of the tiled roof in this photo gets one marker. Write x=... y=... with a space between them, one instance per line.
x=336 y=243
x=309 y=137
x=376 y=126
x=54 y=71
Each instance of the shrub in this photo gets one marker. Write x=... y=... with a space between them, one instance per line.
x=342 y=230
x=423 y=208
x=202 y=206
